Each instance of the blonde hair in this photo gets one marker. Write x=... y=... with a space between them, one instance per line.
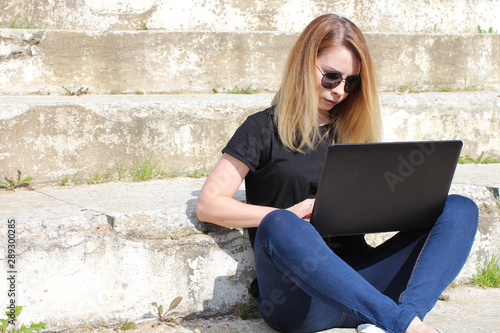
x=355 y=119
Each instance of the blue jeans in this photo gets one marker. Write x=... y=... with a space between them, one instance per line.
x=305 y=287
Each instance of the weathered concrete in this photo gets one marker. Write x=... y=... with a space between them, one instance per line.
x=471 y=117
x=468 y=310
x=49 y=138
x=445 y=16
x=100 y=254
x=44 y=61
x=75 y=267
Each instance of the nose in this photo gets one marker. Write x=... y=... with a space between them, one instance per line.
x=339 y=90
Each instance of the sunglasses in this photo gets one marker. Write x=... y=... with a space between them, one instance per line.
x=331 y=80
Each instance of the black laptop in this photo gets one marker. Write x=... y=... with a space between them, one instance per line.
x=382 y=187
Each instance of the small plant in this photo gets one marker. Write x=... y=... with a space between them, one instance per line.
x=480 y=160
x=146 y=170
x=447 y=88
x=75 y=180
x=11 y=185
x=97 y=177
x=143 y=27
x=194 y=174
x=128 y=326
x=64 y=181
x=247 y=90
x=247 y=312
x=166 y=316
x=79 y=92
x=489 y=276
x=474 y=83
x=11 y=320
x=482 y=31
x=121 y=172
x=28 y=24
x=411 y=89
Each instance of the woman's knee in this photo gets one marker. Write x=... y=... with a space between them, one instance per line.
x=276 y=222
x=465 y=210
x=282 y=226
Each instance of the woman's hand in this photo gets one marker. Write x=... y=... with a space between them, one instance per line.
x=303 y=209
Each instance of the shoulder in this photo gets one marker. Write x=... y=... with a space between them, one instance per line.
x=263 y=118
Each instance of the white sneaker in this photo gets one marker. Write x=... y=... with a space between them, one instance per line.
x=369 y=328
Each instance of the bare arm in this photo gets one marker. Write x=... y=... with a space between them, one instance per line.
x=217 y=205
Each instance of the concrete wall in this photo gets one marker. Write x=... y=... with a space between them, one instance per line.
x=49 y=137
x=41 y=61
x=392 y=16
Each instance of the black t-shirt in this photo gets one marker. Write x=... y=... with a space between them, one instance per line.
x=279 y=177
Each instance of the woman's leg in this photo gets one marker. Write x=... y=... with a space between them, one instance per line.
x=443 y=255
x=305 y=287
x=388 y=268
x=424 y=262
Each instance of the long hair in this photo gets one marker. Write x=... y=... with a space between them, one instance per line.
x=355 y=119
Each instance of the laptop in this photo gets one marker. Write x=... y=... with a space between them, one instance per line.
x=383 y=187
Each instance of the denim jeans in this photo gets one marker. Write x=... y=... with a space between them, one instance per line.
x=305 y=287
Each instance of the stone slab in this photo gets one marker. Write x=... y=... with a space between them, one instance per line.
x=88 y=138
x=99 y=254
x=135 y=62
x=253 y=15
x=468 y=309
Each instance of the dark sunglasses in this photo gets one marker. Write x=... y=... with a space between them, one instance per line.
x=332 y=79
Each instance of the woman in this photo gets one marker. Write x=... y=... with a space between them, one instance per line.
x=307 y=283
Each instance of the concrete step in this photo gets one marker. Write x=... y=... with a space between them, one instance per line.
x=100 y=138
x=446 y=16
x=100 y=254
x=468 y=309
x=136 y=62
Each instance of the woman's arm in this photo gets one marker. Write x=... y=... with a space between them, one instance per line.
x=217 y=205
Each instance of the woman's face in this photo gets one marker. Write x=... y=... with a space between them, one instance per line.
x=335 y=59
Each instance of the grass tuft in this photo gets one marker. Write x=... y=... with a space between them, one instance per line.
x=146 y=169
x=247 y=90
x=480 y=160
x=489 y=276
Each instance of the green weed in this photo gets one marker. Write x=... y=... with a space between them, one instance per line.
x=146 y=170
x=480 y=160
x=75 y=180
x=166 y=316
x=11 y=185
x=482 y=31
x=28 y=24
x=489 y=276
x=120 y=170
x=247 y=90
x=411 y=89
x=128 y=326
x=195 y=174
x=97 y=177
x=64 y=181
x=143 y=27
x=11 y=320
